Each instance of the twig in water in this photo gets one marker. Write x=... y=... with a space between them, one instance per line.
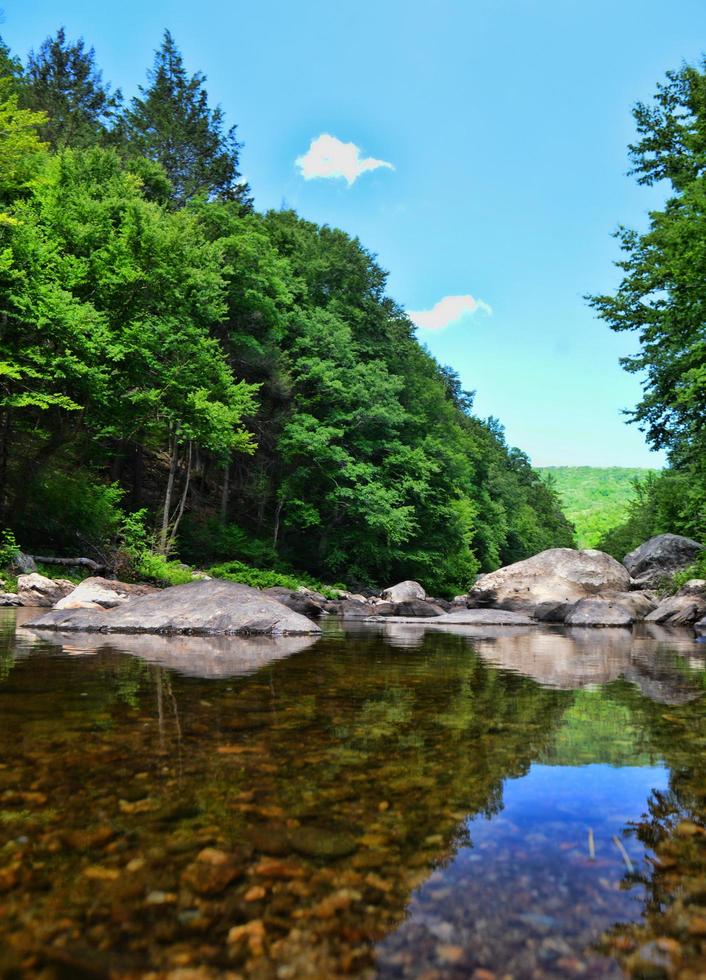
x=591 y=845
x=626 y=857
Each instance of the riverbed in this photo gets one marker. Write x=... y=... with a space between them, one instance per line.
x=377 y=802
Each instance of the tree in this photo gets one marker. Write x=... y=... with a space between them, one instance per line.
x=10 y=65
x=110 y=301
x=21 y=150
x=64 y=82
x=662 y=298
x=171 y=123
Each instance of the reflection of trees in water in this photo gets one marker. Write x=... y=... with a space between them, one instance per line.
x=332 y=733
x=668 y=941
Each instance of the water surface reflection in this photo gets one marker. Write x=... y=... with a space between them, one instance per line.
x=375 y=802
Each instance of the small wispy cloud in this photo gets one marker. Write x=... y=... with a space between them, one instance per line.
x=328 y=158
x=448 y=310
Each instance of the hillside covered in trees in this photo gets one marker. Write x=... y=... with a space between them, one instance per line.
x=183 y=376
x=594 y=498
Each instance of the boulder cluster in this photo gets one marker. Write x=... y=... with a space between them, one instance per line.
x=561 y=585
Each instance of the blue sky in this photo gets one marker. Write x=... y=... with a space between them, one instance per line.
x=506 y=123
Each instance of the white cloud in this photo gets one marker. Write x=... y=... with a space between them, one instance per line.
x=448 y=310
x=328 y=158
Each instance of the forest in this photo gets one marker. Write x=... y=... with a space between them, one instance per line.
x=595 y=498
x=184 y=379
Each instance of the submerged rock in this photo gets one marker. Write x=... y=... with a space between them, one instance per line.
x=321 y=843
x=559 y=575
x=661 y=557
x=206 y=607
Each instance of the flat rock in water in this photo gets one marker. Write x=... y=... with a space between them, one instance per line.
x=466 y=617
x=206 y=607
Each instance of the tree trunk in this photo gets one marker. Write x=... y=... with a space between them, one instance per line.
x=225 y=494
x=4 y=457
x=182 y=503
x=278 y=514
x=174 y=450
x=71 y=562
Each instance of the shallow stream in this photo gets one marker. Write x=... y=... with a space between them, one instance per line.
x=377 y=802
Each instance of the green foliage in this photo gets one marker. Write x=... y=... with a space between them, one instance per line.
x=260 y=578
x=9 y=549
x=595 y=499
x=672 y=502
x=62 y=79
x=137 y=557
x=153 y=567
x=208 y=541
x=70 y=513
x=184 y=357
x=662 y=298
x=171 y=123
x=22 y=152
x=697 y=570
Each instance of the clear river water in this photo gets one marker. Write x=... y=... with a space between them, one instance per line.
x=377 y=802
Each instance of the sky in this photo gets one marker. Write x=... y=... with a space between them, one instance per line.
x=477 y=147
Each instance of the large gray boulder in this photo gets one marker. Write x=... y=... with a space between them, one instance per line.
x=404 y=592
x=205 y=607
x=660 y=557
x=102 y=593
x=610 y=609
x=38 y=590
x=557 y=576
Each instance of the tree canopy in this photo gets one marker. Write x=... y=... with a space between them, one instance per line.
x=239 y=381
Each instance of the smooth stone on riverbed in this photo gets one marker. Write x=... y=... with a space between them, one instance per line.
x=205 y=607
x=320 y=843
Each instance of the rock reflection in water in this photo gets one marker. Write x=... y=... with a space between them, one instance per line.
x=288 y=822
x=193 y=656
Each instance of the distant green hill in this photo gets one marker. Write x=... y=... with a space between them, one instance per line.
x=595 y=499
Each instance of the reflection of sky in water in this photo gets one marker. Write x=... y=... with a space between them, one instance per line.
x=524 y=886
